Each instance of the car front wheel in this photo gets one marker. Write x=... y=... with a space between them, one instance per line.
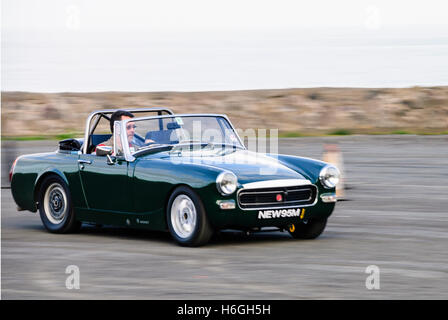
x=186 y=218
x=310 y=229
x=55 y=206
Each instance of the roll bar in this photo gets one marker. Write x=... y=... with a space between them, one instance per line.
x=104 y=113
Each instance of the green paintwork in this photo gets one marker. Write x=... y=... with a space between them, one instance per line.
x=136 y=193
x=30 y=169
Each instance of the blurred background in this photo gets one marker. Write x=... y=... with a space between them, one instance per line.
x=361 y=82
x=321 y=68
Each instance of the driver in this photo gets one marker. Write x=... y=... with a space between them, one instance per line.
x=130 y=131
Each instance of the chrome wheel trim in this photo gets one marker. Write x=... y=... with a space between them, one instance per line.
x=183 y=216
x=55 y=203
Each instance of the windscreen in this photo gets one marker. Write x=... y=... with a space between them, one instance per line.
x=180 y=130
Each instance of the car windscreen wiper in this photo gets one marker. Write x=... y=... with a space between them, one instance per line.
x=190 y=142
x=152 y=146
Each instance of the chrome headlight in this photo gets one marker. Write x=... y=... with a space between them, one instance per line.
x=329 y=176
x=226 y=183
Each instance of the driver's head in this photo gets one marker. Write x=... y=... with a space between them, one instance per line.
x=119 y=115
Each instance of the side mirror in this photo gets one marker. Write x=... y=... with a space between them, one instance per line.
x=103 y=150
x=70 y=145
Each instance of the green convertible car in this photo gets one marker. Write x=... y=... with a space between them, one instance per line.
x=189 y=174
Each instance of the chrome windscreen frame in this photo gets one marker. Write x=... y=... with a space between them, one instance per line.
x=120 y=133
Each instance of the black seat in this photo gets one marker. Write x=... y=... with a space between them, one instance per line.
x=164 y=136
x=161 y=136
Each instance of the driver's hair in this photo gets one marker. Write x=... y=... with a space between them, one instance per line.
x=116 y=116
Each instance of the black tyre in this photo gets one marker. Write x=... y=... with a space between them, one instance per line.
x=186 y=218
x=310 y=229
x=56 y=207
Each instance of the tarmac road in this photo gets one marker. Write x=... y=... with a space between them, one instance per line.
x=396 y=219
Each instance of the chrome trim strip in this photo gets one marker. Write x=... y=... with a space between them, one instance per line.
x=286 y=207
x=271 y=203
x=276 y=183
x=124 y=138
x=258 y=192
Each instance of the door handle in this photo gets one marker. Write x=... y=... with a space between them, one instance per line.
x=82 y=161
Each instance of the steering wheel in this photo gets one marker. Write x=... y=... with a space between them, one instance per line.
x=148 y=144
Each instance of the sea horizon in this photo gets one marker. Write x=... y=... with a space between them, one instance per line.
x=224 y=60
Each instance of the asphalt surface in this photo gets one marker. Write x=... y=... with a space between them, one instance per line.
x=395 y=218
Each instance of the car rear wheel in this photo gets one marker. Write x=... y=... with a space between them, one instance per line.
x=186 y=218
x=55 y=206
x=310 y=229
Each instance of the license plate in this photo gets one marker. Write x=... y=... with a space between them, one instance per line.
x=281 y=213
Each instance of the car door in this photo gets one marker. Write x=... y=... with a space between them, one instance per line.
x=106 y=186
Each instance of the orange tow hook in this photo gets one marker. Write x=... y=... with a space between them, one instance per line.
x=292 y=228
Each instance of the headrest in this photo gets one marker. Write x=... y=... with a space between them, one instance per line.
x=172 y=126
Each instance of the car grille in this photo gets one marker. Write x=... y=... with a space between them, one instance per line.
x=277 y=197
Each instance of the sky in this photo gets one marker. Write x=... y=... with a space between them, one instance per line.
x=226 y=14
x=184 y=45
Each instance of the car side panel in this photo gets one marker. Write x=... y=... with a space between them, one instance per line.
x=106 y=186
x=30 y=169
x=155 y=179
